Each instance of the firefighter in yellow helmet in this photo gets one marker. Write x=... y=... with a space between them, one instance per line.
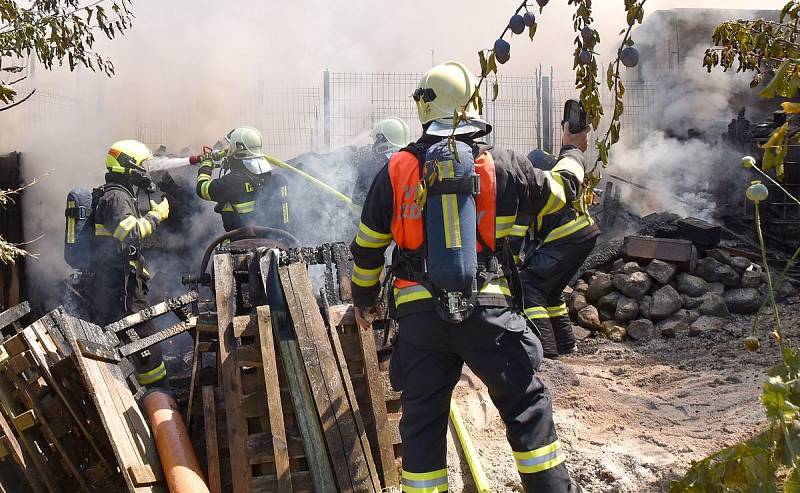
x=388 y=136
x=453 y=294
x=119 y=274
x=245 y=177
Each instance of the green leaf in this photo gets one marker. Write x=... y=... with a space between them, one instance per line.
x=495 y=90
x=532 y=30
x=777 y=86
x=492 y=63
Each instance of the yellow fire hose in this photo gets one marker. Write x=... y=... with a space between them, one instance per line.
x=344 y=198
x=478 y=476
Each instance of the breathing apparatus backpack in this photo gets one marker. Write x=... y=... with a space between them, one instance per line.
x=79 y=228
x=447 y=192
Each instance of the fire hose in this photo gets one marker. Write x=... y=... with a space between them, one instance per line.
x=470 y=453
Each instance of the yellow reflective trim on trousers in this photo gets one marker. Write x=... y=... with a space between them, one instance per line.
x=570 y=166
x=366 y=277
x=541 y=459
x=557 y=311
x=425 y=482
x=153 y=375
x=369 y=238
x=245 y=207
x=100 y=230
x=535 y=312
x=204 y=188
x=411 y=293
x=519 y=230
x=284 y=191
x=569 y=228
x=135 y=266
x=497 y=286
x=227 y=208
x=285 y=210
x=125 y=227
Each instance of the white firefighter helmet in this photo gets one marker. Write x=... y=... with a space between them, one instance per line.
x=127 y=156
x=246 y=145
x=444 y=90
x=390 y=135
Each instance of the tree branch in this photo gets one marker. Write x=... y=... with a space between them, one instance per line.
x=17 y=103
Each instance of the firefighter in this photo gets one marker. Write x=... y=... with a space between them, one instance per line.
x=119 y=275
x=388 y=136
x=487 y=334
x=557 y=240
x=247 y=193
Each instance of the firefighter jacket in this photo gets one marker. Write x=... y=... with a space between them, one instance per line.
x=119 y=228
x=244 y=199
x=510 y=185
x=564 y=216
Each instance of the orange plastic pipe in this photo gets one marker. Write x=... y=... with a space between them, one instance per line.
x=178 y=460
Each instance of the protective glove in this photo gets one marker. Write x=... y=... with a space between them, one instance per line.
x=159 y=210
x=207 y=161
x=366 y=315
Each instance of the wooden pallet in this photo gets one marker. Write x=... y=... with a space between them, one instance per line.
x=379 y=404
x=53 y=437
x=253 y=441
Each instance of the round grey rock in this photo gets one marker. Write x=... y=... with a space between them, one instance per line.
x=691 y=285
x=742 y=300
x=633 y=285
x=641 y=330
x=661 y=271
x=609 y=302
x=740 y=263
x=601 y=285
x=666 y=301
x=714 y=306
x=627 y=309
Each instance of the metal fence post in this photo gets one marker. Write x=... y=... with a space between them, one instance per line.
x=326 y=108
x=547 y=115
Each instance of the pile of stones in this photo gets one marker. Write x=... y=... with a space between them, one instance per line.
x=639 y=301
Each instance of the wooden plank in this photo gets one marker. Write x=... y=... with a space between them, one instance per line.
x=279 y=445
x=212 y=448
x=261 y=451
x=193 y=380
x=38 y=417
x=376 y=394
x=118 y=411
x=39 y=342
x=300 y=480
x=248 y=356
x=151 y=340
x=18 y=456
x=351 y=397
x=299 y=387
x=245 y=327
x=14 y=313
x=341 y=315
x=151 y=312
x=14 y=346
x=336 y=415
x=224 y=285
x=21 y=362
x=143 y=475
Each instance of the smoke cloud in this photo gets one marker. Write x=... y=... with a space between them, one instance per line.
x=190 y=70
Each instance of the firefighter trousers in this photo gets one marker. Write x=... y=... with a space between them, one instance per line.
x=118 y=294
x=501 y=350
x=545 y=274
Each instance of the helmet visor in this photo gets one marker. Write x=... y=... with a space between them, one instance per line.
x=257 y=166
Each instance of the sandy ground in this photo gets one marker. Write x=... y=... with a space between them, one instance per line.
x=633 y=416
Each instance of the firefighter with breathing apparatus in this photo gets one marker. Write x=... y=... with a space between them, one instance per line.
x=119 y=282
x=246 y=175
x=450 y=205
x=388 y=136
x=557 y=239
